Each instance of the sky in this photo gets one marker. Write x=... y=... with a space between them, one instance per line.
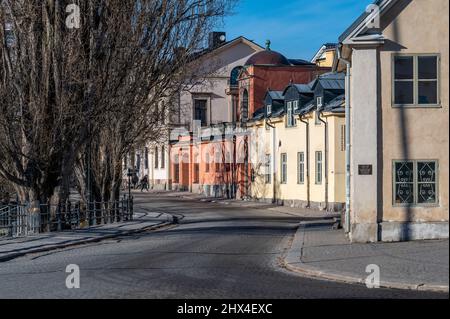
x=296 y=28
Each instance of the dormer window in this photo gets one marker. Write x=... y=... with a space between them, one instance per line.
x=269 y=109
x=290 y=115
x=295 y=106
x=319 y=101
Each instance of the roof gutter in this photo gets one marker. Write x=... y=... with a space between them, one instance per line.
x=347 y=138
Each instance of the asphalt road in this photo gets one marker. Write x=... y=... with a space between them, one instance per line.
x=216 y=251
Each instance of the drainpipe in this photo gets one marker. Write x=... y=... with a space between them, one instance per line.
x=347 y=139
x=308 y=195
x=274 y=176
x=319 y=116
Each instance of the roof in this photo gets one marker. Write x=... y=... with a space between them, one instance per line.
x=323 y=48
x=336 y=105
x=268 y=57
x=331 y=81
x=276 y=95
x=225 y=45
x=300 y=62
x=361 y=22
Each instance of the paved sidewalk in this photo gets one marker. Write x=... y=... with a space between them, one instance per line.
x=319 y=251
x=17 y=247
x=295 y=211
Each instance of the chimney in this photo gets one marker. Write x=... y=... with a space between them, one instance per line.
x=216 y=39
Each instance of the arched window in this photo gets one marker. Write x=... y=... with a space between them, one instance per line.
x=244 y=106
x=234 y=75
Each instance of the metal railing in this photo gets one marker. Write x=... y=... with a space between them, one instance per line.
x=18 y=220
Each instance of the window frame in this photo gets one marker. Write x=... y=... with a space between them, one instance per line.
x=416 y=80
x=415 y=183
x=284 y=168
x=268 y=169
x=290 y=116
x=317 y=171
x=301 y=168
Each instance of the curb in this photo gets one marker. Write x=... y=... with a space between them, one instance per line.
x=316 y=273
x=83 y=241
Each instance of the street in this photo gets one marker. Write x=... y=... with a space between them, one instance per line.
x=217 y=251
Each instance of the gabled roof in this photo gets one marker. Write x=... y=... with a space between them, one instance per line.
x=225 y=46
x=301 y=88
x=323 y=48
x=358 y=28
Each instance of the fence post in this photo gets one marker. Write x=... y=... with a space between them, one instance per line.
x=58 y=216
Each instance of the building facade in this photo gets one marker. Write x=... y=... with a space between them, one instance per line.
x=299 y=151
x=398 y=72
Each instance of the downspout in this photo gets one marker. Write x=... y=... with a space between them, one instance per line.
x=319 y=116
x=274 y=190
x=308 y=191
x=347 y=139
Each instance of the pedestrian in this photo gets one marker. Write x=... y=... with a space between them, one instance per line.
x=135 y=180
x=144 y=183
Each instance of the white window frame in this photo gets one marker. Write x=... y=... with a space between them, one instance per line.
x=301 y=168
x=319 y=101
x=319 y=167
x=415 y=183
x=283 y=163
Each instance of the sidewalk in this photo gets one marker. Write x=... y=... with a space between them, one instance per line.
x=295 y=211
x=16 y=247
x=319 y=251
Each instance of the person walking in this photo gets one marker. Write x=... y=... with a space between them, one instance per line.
x=144 y=183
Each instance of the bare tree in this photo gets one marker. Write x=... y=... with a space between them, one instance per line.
x=88 y=95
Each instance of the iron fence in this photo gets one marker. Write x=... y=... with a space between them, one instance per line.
x=19 y=220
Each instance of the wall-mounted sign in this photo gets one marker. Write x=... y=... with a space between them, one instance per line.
x=364 y=169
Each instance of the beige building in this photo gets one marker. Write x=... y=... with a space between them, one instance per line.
x=398 y=62
x=298 y=154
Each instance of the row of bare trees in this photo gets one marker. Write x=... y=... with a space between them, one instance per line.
x=76 y=100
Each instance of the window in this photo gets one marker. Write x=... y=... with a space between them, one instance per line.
x=176 y=169
x=290 y=115
x=218 y=162
x=318 y=167
x=416 y=80
x=163 y=157
x=267 y=169
x=146 y=158
x=207 y=163
x=200 y=111
x=196 y=170
x=295 y=106
x=319 y=102
x=269 y=109
x=415 y=183
x=343 y=142
x=235 y=75
x=317 y=118
x=156 y=157
x=301 y=168
x=283 y=168
x=244 y=106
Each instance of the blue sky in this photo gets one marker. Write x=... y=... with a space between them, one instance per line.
x=296 y=28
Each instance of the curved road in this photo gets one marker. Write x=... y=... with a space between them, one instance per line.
x=217 y=251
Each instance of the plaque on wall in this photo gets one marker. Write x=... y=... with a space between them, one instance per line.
x=364 y=169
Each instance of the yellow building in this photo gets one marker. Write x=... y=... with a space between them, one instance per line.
x=326 y=55
x=298 y=156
